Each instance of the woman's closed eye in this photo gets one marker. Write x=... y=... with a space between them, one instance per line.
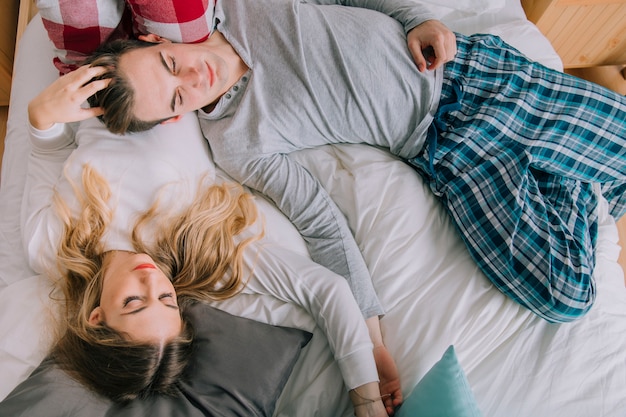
x=132 y=298
x=166 y=295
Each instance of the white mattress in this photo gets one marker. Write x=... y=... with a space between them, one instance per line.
x=517 y=364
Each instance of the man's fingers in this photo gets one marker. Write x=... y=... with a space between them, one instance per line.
x=419 y=58
x=432 y=44
x=441 y=50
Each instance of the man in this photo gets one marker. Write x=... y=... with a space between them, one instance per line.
x=282 y=77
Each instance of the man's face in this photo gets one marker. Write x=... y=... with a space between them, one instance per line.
x=170 y=79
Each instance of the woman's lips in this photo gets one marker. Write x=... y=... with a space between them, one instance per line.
x=144 y=266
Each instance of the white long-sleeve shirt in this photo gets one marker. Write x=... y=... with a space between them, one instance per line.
x=168 y=164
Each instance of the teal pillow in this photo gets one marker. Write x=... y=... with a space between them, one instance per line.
x=444 y=391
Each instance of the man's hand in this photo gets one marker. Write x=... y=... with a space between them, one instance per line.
x=432 y=44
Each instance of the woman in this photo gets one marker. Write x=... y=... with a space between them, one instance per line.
x=124 y=308
x=117 y=284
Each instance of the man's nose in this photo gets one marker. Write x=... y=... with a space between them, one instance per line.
x=191 y=77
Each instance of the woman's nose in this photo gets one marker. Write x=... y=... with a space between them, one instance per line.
x=152 y=285
x=147 y=279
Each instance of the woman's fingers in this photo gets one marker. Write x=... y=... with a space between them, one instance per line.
x=64 y=100
x=93 y=87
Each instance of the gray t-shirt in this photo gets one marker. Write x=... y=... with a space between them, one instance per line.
x=319 y=74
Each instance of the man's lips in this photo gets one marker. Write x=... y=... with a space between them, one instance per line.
x=210 y=75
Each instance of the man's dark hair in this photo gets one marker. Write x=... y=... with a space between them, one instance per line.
x=118 y=99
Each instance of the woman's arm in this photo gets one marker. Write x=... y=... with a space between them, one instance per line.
x=40 y=225
x=293 y=278
x=52 y=143
x=367 y=401
x=326 y=296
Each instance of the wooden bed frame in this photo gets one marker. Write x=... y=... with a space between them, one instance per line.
x=26 y=12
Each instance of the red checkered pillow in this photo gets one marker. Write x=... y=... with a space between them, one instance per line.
x=187 y=21
x=77 y=27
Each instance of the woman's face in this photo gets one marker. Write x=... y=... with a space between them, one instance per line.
x=137 y=299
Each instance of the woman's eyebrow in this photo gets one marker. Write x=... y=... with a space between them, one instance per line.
x=169 y=70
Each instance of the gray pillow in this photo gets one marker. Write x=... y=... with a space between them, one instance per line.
x=238 y=367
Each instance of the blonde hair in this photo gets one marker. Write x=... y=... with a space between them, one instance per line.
x=200 y=248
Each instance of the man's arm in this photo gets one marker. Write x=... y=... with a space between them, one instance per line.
x=431 y=43
x=408 y=12
x=308 y=206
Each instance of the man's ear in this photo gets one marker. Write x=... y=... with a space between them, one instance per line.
x=152 y=38
x=172 y=119
x=96 y=317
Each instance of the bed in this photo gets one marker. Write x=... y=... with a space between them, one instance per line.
x=516 y=364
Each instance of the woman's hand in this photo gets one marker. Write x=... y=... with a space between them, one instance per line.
x=389 y=384
x=367 y=401
x=432 y=44
x=63 y=100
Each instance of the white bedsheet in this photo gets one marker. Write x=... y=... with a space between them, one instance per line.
x=517 y=364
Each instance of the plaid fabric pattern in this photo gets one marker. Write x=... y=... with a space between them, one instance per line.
x=513 y=153
x=177 y=20
x=76 y=28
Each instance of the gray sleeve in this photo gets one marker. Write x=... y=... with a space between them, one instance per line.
x=323 y=226
x=408 y=12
